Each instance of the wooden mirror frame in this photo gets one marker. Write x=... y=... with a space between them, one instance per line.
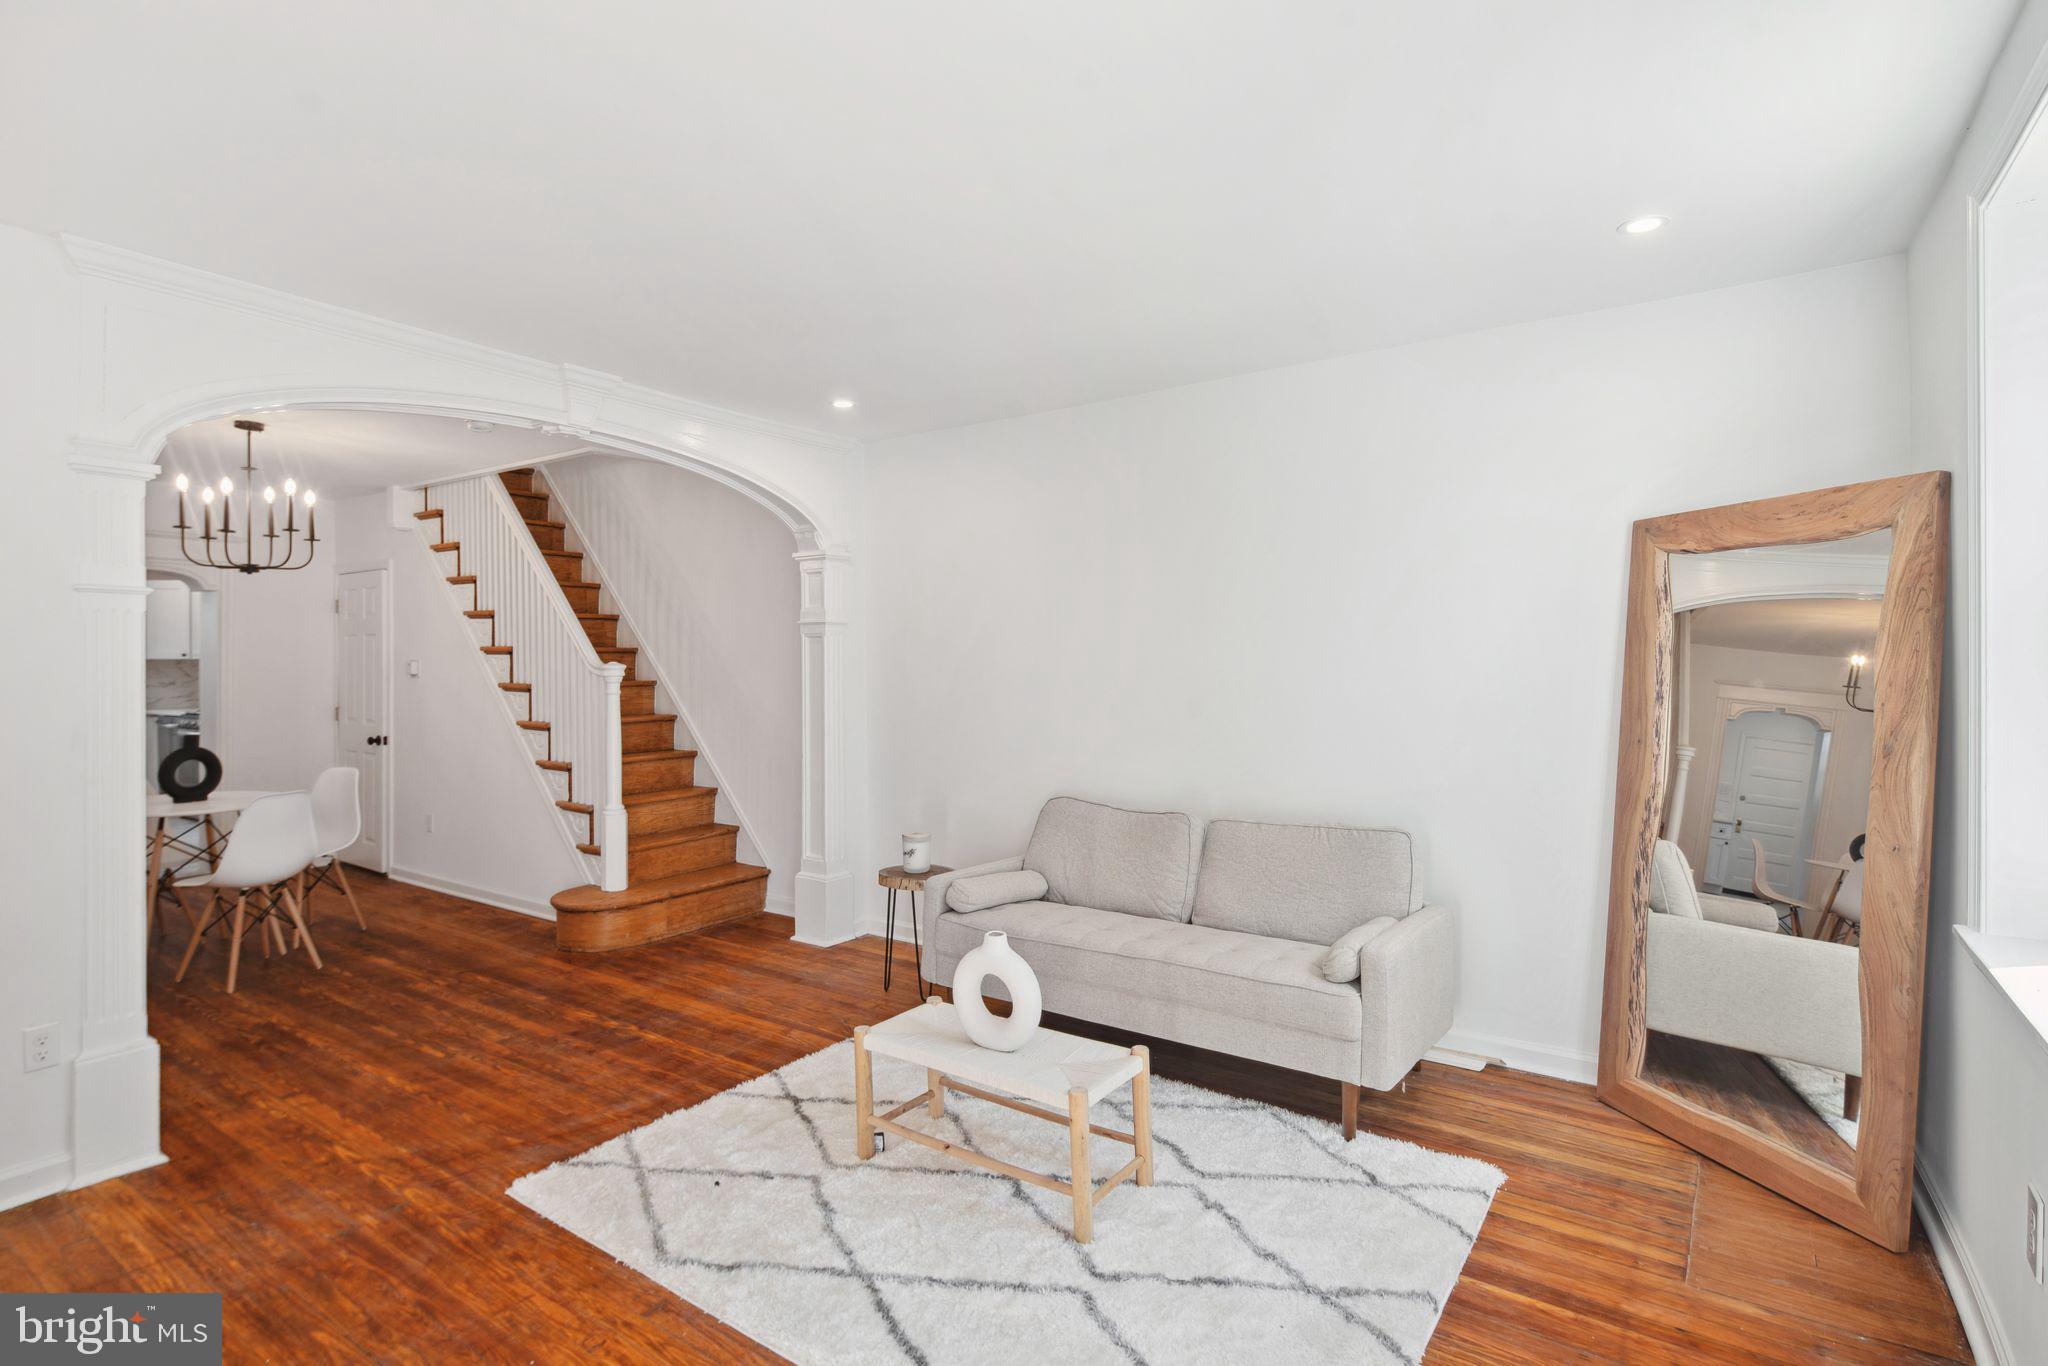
x=1877 y=1201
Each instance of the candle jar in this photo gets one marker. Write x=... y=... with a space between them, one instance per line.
x=917 y=853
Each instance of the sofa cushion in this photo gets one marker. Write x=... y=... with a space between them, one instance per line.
x=1272 y=984
x=994 y=889
x=1110 y=859
x=1671 y=889
x=1313 y=883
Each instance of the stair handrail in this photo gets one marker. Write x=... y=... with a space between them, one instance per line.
x=554 y=647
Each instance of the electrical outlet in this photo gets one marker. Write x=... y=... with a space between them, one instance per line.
x=2035 y=1233
x=38 y=1047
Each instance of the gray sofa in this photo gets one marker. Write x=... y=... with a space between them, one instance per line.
x=1305 y=946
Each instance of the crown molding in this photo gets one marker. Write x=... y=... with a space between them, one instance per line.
x=586 y=393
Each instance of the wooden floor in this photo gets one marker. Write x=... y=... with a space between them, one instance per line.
x=1736 y=1082
x=341 y=1141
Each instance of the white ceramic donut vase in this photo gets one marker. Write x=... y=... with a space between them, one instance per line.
x=995 y=958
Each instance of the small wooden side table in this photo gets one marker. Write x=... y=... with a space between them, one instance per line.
x=897 y=880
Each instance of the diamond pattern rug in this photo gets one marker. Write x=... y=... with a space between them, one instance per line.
x=1266 y=1237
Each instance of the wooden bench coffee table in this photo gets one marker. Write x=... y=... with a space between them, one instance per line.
x=1053 y=1068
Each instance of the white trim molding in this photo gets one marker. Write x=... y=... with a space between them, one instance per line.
x=1765 y=575
x=114 y=1077
x=1981 y=1328
x=825 y=902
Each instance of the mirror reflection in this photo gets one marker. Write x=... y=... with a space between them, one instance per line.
x=1756 y=881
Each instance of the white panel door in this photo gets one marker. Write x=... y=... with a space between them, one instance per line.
x=363 y=717
x=1775 y=757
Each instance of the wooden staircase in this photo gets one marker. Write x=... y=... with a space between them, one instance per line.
x=682 y=866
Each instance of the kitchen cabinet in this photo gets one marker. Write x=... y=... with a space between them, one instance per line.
x=168 y=631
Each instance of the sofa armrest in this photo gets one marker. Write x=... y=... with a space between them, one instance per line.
x=933 y=900
x=1735 y=910
x=1407 y=986
x=1775 y=994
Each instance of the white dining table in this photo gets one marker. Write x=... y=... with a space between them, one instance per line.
x=161 y=811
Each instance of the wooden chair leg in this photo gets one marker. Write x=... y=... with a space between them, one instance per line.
x=1141 y=1113
x=235 y=938
x=1852 y=1097
x=863 y=1098
x=1082 y=1182
x=303 y=934
x=1350 y=1109
x=936 y=1084
x=197 y=931
x=342 y=877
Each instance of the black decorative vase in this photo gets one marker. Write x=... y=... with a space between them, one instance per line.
x=189 y=773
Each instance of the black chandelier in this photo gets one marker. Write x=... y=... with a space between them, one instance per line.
x=1853 y=684
x=248 y=562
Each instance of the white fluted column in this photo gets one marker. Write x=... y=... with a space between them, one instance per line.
x=824 y=883
x=114 y=1077
x=1685 y=754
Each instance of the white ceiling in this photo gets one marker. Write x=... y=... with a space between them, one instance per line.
x=956 y=212
x=1833 y=627
x=340 y=454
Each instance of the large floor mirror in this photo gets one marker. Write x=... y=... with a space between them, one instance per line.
x=1773 y=817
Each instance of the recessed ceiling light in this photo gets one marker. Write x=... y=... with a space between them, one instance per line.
x=476 y=425
x=1649 y=222
x=842 y=403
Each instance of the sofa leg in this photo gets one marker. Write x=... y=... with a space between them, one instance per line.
x=1852 y=1096
x=1350 y=1109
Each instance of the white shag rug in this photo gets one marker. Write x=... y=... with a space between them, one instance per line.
x=1266 y=1237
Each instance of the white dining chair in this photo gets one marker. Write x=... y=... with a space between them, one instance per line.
x=337 y=823
x=272 y=842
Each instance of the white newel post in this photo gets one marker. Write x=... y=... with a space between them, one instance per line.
x=824 y=884
x=115 y=1074
x=612 y=834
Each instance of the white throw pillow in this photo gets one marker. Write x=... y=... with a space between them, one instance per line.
x=1671 y=886
x=995 y=889
x=1339 y=962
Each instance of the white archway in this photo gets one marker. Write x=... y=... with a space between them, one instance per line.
x=165 y=346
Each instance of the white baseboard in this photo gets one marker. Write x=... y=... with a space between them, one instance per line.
x=1980 y=1320
x=1545 y=1060
x=34 y=1179
x=539 y=910
x=784 y=906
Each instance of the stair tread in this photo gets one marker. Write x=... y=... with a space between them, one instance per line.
x=480 y=612
x=423 y=516
x=591 y=898
x=554 y=765
x=651 y=756
x=542 y=521
x=580 y=808
x=446 y=545
x=689 y=834
x=651 y=716
x=462 y=578
x=515 y=687
x=496 y=649
x=597 y=616
x=666 y=794
x=577 y=583
x=572 y=554
x=532 y=725
x=636 y=682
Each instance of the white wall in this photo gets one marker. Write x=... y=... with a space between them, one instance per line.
x=704 y=573
x=454 y=756
x=1984 y=1073
x=1381 y=589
